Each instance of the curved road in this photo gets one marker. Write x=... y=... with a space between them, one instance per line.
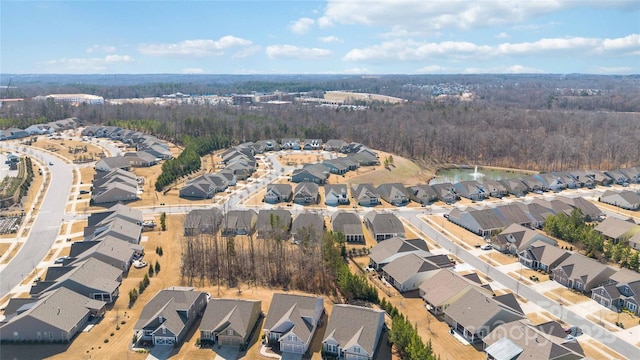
x=46 y=226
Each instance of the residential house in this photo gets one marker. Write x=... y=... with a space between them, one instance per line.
x=336 y=166
x=483 y=222
x=277 y=193
x=587 y=208
x=141 y=159
x=335 y=194
x=314 y=173
x=446 y=287
x=202 y=221
x=365 y=158
x=365 y=194
x=516 y=238
x=515 y=187
x=622 y=291
x=92 y=278
x=512 y=214
x=541 y=255
x=617 y=230
x=292 y=320
x=523 y=340
x=312 y=144
x=269 y=145
x=228 y=176
x=334 y=145
x=306 y=193
x=56 y=316
x=169 y=315
x=107 y=164
x=273 y=224
x=111 y=250
x=353 y=332
x=157 y=149
x=535 y=212
x=290 y=144
x=349 y=224
x=599 y=178
x=633 y=174
x=117 y=227
x=472 y=190
x=475 y=314
x=308 y=227
x=113 y=186
x=571 y=180
x=629 y=200
x=617 y=177
x=422 y=194
x=495 y=188
x=230 y=322
x=445 y=192
x=394 y=248
x=394 y=193
x=581 y=273
x=534 y=183
x=239 y=222
x=383 y=225
x=551 y=181
x=408 y=272
x=198 y=188
x=98 y=220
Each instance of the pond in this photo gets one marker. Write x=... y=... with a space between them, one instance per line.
x=457 y=175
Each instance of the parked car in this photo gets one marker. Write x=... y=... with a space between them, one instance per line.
x=61 y=259
x=51 y=163
x=486 y=247
x=84 y=191
x=139 y=264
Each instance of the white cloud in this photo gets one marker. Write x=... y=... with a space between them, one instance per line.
x=402 y=50
x=295 y=52
x=420 y=15
x=502 y=35
x=515 y=69
x=330 y=39
x=246 y=52
x=432 y=69
x=324 y=22
x=194 y=48
x=102 y=48
x=192 y=71
x=88 y=65
x=301 y=26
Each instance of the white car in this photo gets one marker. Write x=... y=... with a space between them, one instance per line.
x=486 y=247
x=61 y=259
x=139 y=264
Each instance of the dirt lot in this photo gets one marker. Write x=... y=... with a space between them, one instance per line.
x=613 y=317
x=61 y=147
x=566 y=296
x=344 y=95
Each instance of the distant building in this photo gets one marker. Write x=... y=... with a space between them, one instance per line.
x=77 y=99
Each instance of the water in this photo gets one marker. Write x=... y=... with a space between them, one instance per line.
x=457 y=175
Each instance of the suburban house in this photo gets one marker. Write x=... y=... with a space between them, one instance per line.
x=534 y=183
x=471 y=189
x=383 y=225
x=336 y=166
x=582 y=273
x=292 y=320
x=239 y=222
x=141 y=159
x=445 y=192
x=230 y=322
x=365 y=194
x=312 y=144
x=495 y=188
x=273 y=224
x=268 y=145
x=408 y=272
x=353 y=332
x=483 y=222
x=306 y=193
x=512 y=214
x=290 y=144
x=204 y=186
x=422 y=194
x=569 y=179
x=56 y=316
x=111 y=250
x=617 y=177
x=91 y=278
x=315 y=173
x=277 y=193
x=632 y=173
x=523 y=340
x=169 y=315
x=308 y=227
x=621 y=291
x=588 y=209
x=447 y=286
x=113 y=186
x=117 y=227
x=349 y=224
x=202 y=221
x=365 y=158
x=540 y=255
x=516 y=238
x=629 y=200
x=475 y=314
x=334 y=145
x=241 y=168
x=107 y=164
x=515 y=187
x=335 y=195
x=535 y=212
x=393 y=193
x=551 y=181
x=389 y=250
x=617 y=230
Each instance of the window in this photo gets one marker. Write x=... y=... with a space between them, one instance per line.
x=293 y=338
x=230 y=332
x=332 y=348
x=164 y=331
x=16 y=336
x=356 y=349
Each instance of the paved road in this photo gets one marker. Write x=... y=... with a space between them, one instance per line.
x=45 y=227
x=597 y=332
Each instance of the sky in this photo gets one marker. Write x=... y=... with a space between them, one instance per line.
x=320 y=37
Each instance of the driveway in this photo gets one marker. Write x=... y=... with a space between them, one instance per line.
x=226 y=353
x=160 y=352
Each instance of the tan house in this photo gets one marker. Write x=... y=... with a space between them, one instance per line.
x=230 y=321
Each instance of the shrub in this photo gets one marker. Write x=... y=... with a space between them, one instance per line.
x=106 y=341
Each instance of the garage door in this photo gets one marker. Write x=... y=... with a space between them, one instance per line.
x=232 y=341
x=287 y=348
x=159 y=340
x=354 y=357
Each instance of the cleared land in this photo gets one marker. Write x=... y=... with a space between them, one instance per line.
x=342 y=96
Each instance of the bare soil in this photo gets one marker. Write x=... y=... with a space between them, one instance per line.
x=566 y=296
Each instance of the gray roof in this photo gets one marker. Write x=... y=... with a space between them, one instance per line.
x=167 y=303
x=384 y=223
x=473 y=310
x=445 y=284
x=614 y=228
x=240 y=219
x=338 y=189
x=60 y=308
x=346 y=223
x=488 y=219
x=204 y=220
x=239 y=315
x=292 y=309
x=403 y=268
x=116 y=162
x=284 y=190
x=90 y=273
x=627 y=195
x=109 y=246
x=546 y=253
x=264 y=219
x=580 y=266
x=309 y=220
x=355 y=325
x=395 y=245
x=364 y=190
x=512 y=214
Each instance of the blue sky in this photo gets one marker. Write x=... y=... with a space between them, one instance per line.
x=320 y=37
